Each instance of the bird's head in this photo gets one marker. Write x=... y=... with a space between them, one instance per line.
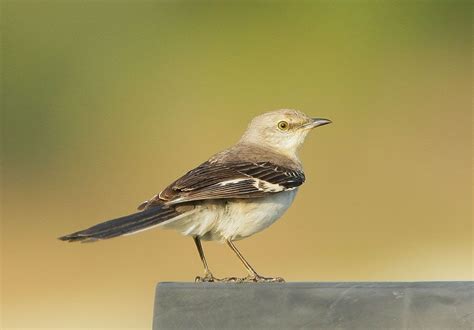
x=283 y=130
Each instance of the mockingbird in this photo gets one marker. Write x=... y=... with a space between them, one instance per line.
x=235 y=194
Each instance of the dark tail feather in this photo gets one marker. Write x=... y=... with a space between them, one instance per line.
x=124 y=225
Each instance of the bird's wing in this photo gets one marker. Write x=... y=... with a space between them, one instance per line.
x=213 y=180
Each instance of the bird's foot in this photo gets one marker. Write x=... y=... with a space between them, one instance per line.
x=211 y=278
x=255 y=278
x=261 y=279
x=232 y=280
x=207 y=278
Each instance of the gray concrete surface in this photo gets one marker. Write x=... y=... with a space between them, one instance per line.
x=354 y=305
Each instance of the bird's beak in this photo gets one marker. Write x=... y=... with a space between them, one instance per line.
x=315 y=122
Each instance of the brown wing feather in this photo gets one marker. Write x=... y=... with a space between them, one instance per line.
x=229 y=180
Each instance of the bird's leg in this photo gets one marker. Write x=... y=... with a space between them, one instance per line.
x=208 y=277
x=253 y=276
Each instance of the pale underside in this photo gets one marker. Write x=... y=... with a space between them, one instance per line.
x=233 y=219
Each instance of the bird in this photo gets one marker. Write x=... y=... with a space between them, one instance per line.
x=236 y=193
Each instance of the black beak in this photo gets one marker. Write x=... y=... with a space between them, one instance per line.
x=319 y=122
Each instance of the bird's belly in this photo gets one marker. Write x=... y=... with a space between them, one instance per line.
x=242 y=218
x=219 y=220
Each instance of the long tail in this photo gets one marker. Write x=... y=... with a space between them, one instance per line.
x=124 y=225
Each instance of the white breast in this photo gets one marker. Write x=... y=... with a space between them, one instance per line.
x=246 y=217
x=233 y=219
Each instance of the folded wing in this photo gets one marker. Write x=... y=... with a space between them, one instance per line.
x=229 y=180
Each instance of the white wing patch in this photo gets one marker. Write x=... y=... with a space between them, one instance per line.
x=267 y=186
x=225 y=183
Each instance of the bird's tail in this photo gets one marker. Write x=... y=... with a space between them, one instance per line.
x=125 y=225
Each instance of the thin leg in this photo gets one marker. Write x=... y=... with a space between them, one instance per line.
x=241 y=257
x=197 y=241
x=253 y=276
x=208 y=277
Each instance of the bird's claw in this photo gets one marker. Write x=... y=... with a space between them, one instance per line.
x=261 y=279
x=249 y=279
x=207 y=278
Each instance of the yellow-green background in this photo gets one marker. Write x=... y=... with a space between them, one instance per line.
x=104 y=103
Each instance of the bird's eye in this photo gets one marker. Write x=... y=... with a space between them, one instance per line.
x=283 y=125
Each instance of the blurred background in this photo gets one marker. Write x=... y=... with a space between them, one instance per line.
x=105 y=103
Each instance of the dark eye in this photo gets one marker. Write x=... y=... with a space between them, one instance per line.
x=283 y=125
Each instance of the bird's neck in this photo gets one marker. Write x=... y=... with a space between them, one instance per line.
x=267 y=153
